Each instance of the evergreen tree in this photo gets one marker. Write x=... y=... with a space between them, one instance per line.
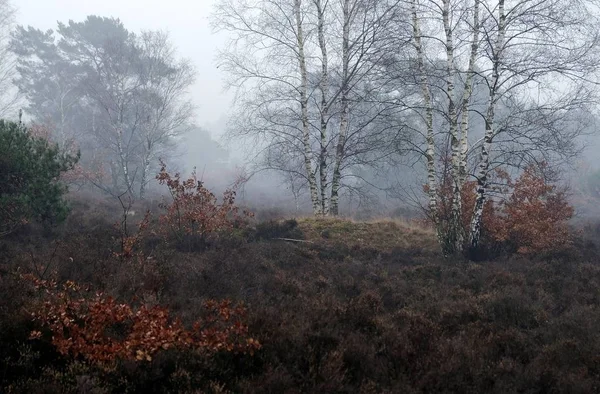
x=30 y=188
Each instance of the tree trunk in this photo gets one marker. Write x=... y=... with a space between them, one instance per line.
x=123 y=160
x=114 y=176
x=312 y=182
x=484 y=163
x=430 y=151
x=324 y=87
x=341 y=143
x=454 y=233
x=467 y=92
x=144 y=178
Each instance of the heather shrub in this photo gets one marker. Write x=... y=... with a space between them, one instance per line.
x=278 y=229
x=373 y=308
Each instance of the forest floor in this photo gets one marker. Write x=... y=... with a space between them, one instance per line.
x=338 y=306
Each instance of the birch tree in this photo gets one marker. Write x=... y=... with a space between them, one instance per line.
x=539 y=64
x=531 y=66
x=483 y=166
x=306 y=143
x=266 y=62
x=428 y=105
x=163 y=101
x=321 y=10
x=301 y=73
x=347 y=16
x=453 y=27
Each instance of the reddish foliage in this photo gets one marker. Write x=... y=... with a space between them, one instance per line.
x=101 y=330
x=130 y=244
x=194 y=210
x=528 y=215
x=442 y=220
x=534 y=218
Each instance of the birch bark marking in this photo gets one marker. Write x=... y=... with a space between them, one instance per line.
x=145 y=170
x=123 y=158
x=339 y=152
x=323 y=87
x=467 y=92
x=430 y=152
x=454 y=236
x=312 y=182
x=482 y=181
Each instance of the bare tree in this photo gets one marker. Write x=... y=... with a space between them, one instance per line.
x=549 y=48
x=527 y=71
x=162 y=100
x=428 y=105
x=113 y=90
x=484 y=85
x=303 y=88
x=266 y=61
x=302 y=71
x=321 y=8
x=347 y=16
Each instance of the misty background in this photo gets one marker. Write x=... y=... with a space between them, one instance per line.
x=217 y=160
x=187 y=23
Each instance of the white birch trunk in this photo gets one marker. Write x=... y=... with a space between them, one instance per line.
x=482 y=172
x=454 y=236
x=123 y=159
x=145 y=170
x=467 y=92
x=430 y=151
x=324 y=87
x=312 y=182
x=341 y=143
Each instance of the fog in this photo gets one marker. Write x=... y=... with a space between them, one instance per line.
x=382 y=165
x=350 y=196
x=186 y=21
x=216 y=161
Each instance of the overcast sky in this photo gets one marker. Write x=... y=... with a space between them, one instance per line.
x=187 y=21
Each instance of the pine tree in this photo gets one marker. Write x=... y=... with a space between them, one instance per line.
x=30 y=168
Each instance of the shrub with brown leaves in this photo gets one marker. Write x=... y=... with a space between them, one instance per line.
x=194 y=210
x=534 y=218
x=101 y=330
x=528 y=216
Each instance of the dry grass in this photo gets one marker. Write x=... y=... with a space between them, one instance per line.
x=383 y=235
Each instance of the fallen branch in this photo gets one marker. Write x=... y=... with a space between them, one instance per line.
x=294 y=240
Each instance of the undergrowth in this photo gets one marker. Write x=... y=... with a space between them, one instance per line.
x=337 y=307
